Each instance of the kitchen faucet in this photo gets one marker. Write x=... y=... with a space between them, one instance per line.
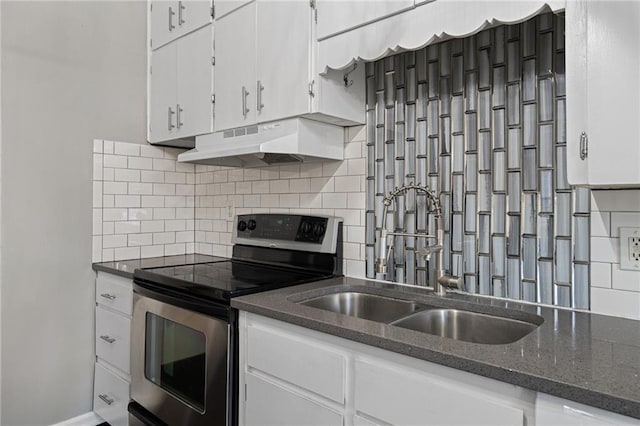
x=443 y=279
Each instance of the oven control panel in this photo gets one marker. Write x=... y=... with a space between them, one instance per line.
x=310 y=229
x=311 y=233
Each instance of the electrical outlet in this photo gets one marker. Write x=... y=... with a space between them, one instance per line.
x=231 y=211
x=630 y=249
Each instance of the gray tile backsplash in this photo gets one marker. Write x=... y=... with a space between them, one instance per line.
x=481 y=119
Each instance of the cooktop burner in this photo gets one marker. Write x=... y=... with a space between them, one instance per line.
x=222 y=280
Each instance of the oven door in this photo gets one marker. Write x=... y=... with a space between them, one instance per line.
x=179 y=363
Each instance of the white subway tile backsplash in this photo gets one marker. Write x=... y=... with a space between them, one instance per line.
x=140 y=163
x=126 y=175
x=152 y=226
x=128 y=227
x=96 y=248
x=601 y=274
x=122 y=148
x=153 y=206
x=151 y=151
x=97 y=166
x=625 y=280
x=107 y=147
x=97 y=146
x=126 y=201
x=627 y=200
x=97 y=221
x=127 y=253
x=604 y=249
x=618 y=303
x=115 y=161
x=623 y=219
x=114 y=188
x=114 y=214
x=600 y=224
x=111 y=241
x=151 y=251
x=140 y=239
x=334 y=201
x=164 y=165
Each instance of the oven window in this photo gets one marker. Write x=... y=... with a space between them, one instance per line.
x=175 y=359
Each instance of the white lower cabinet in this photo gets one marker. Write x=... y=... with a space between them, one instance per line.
x=268 y=403
x=110 y=396
x=551 y=411
x=113 y=342
x=295 y=376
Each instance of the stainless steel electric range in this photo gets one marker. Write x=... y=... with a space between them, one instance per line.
x=184 y=342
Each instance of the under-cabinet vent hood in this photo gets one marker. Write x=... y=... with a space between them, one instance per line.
x=285 y=141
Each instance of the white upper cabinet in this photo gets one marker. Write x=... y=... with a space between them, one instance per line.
x=236 y=68
x=173 y=19
x=222 y=7
x=181 y=88
x=603 y=93
x=283 y=58
x=338 y=16
x=265 y=56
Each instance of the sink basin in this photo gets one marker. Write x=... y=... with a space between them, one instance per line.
x=364 y=305
x=467 y=326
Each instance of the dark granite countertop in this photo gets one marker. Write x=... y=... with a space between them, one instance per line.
x=125 y=268
x=588 y=358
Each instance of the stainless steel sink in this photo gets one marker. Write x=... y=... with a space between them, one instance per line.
x=467 y=326
x=363 y=305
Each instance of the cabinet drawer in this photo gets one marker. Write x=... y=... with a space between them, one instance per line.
x=426 y=398
x=297 y=360
x=113 y=338
x=110 y=397
x=115 y=292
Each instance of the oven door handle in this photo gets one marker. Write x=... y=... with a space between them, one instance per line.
x=180 y=300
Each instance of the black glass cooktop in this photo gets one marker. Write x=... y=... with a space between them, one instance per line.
x=222 y=280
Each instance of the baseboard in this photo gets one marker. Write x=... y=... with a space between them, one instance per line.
x=87 y=419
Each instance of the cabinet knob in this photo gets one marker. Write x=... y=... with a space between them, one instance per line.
x=181 y=7
x=108 y=296
x=179 y=112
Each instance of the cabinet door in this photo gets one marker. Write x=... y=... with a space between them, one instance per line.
x=164 y=22
x=269 y=404
x=339 y=16
x=551 y=410
x=425 y=399
x=193 y=14
x=236 y=68
x=613 y=60
x=110 y=397
x=162 y=96
x=113 y=339
x=576 y=72
x=195 y=83
x=283 y=59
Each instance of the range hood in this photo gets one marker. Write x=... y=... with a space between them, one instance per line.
x=284 y=141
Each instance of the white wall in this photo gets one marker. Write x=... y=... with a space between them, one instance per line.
x=71 y=72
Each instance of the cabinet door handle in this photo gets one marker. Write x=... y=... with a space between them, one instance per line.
x=106 y=399
x=108 y=296
x=181 y=7
x=179 y=111
x=584 y=145
x=259 y=104
x=108 y=339
x=245 y=110
x=171 y=13
x=170 y=118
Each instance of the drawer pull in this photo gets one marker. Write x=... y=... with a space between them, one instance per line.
x=106 y=399
x=108 y=339
x=108 y=296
